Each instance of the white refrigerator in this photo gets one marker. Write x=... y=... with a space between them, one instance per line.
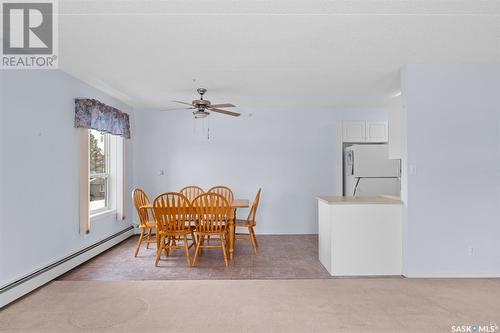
x=368 y=171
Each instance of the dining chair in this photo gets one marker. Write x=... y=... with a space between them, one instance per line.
x=172 y=212
x=213 y=212
x=147 y=223
x=250 y=222
x=224 y=191
x=191 y=192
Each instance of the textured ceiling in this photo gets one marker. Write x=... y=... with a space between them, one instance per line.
x=268 y=53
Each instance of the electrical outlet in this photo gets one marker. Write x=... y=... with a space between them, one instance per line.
x=413 y=169
x=471 y=251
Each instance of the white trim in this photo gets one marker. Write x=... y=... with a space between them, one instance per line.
x=120 y=178
x=41 y=279
x=84 y=181
x=102 y=214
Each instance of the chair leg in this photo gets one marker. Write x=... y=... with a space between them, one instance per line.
x=193 y=239
x=167 y=246
x=148 y=238
x=158 y=251
x=255 y=245
x=223 y=243
x=188 y=259
x=202 y=241
x=139 y=243
x=254 y=236
x=153 y=236
x=196 y=252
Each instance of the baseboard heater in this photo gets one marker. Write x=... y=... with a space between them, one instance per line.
x=24 y=285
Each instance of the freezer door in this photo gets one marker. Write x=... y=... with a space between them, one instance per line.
x=349 y=184
x=368 y=187
x=373 y=161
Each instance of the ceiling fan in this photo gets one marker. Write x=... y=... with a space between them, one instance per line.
x=202 y=106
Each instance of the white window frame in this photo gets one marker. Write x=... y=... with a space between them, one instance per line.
x=106 y=175
x=108 y=195
x=116 y=156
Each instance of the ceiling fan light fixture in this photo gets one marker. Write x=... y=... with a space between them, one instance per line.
x=201 y=105
x=200 y=114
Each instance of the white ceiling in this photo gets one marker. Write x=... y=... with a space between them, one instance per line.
x=268 y=53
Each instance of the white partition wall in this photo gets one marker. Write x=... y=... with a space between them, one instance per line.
x=451 y=170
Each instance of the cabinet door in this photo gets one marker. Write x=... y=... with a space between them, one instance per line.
x=353 y=131
x=376 y=131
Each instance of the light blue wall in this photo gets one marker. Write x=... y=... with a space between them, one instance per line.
x=39 y=171
x=289 y=153
x=452 y=133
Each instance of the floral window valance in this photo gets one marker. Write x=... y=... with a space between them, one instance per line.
x=92 y=114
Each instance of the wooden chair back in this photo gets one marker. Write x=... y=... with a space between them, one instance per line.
x=172 y=212
x=224 y=191
x=191 y=192
x=213 y=211
x=140 y=198
x=253 y=210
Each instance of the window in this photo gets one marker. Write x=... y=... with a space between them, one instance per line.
x=99 y=173
x=105 y=172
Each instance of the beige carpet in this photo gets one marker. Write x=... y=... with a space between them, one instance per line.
x=338 y=305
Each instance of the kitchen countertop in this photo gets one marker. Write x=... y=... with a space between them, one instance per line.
x=339 y=200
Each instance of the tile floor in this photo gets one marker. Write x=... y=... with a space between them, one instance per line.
x=280 y=257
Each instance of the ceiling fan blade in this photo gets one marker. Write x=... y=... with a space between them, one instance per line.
x=234 y=114
x=174 y=109
x=183 y=102
x=226 y=105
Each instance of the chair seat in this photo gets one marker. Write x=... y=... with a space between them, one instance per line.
x=211 y=232
x=149 y=224
x=243 y=223
x=175 y=233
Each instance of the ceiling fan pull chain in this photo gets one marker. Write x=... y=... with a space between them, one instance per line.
x=208 y=128
x=202 y=126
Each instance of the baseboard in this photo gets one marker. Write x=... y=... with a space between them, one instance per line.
x=137 y=231
x=21 y=287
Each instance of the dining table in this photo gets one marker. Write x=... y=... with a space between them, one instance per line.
x=235 y=205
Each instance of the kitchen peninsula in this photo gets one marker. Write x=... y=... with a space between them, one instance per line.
x=360 y=236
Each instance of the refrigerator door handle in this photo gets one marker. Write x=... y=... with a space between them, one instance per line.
x=351 y=167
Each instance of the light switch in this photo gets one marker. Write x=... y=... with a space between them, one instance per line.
x=413 y=169
x=161 y=172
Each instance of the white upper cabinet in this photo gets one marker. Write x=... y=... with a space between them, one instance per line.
x=364 y=131
x=353 y=131
x=376 y=131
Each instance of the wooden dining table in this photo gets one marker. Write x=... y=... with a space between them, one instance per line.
x=237 y=203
